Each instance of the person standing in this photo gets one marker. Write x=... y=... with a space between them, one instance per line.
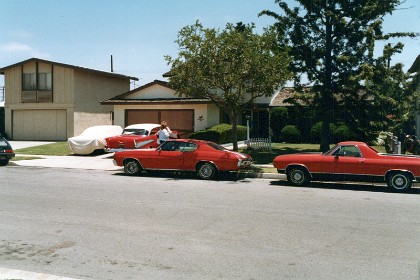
x=163 y=133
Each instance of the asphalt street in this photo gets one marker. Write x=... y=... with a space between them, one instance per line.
x=96 y=224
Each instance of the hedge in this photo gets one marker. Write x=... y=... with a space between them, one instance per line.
x=221 y=133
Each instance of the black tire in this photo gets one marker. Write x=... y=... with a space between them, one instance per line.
x=206 y=171
x=399 y=181
x=4 y=162
x=132 y=167
x=298 y=176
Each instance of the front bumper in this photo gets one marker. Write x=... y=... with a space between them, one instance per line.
x=243 y=163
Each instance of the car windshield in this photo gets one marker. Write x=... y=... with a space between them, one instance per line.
x=216 y=146
x=135 y=131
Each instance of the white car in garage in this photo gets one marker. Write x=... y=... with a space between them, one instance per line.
x=93 y=138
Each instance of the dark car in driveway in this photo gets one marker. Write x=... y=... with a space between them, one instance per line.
x=6 y=152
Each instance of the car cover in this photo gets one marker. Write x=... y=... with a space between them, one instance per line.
x=93 y=138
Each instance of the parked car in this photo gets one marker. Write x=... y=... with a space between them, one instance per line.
x=93 y=138
x=350 y=161
x=203 y=157
x=6 y=151
x=136 y=136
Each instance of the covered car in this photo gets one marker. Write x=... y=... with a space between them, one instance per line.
x=136 y=136
x=93 y=138
x=6 y=152
x=203 y=157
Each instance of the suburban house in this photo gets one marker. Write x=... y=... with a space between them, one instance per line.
x=46 y=100
x=157 y=101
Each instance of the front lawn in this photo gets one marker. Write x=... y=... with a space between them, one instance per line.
x=53 y=149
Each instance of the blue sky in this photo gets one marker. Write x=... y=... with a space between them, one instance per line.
x=138 y=33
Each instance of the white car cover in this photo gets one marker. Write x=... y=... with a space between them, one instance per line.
x=93 y=138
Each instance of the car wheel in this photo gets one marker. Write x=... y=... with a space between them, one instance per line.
x=132 y=168
x=399 y=181
x=298 y=176
x=4 y=162
x=206 y=171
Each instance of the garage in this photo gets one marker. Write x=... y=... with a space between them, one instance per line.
x=48 y=125
x=181 y=120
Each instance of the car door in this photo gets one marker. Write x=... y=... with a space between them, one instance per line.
x=348 y=162
x=189 y=155
x=167 y=157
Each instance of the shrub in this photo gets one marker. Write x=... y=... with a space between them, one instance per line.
x=221 y=133
x=279 y=118
x=225 y=131
x=316 y=132
x=290 y=134
x=342 y=133
x=209 y=135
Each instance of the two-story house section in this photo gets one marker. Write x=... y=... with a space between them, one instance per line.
x=46 y=100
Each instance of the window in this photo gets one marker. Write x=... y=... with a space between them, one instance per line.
x=44 y=81
x=347 y=151
x=29 y=81
x=37 y=83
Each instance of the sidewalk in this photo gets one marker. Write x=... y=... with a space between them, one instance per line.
x=7 y=273
x=98 y=162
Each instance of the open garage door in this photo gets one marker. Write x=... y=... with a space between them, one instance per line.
x=181 y=120
x=49 y=125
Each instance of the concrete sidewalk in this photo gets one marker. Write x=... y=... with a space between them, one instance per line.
x=101 y=162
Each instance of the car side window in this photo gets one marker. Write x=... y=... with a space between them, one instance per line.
x=347 y=151
x=170 y=146
x=189 y=147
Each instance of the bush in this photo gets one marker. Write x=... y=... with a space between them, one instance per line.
x=342 y=133
x=209 y=135
x=290 y=134
x=279 y=118
x=316 y=132
x=221 y=133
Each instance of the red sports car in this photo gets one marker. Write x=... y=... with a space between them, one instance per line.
x=136 y=136
x=204 y=157
x=350 y=161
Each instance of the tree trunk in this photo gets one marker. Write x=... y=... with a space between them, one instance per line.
x=234 y=120
x=327 y=93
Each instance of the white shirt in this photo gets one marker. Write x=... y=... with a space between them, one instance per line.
x=163 y=134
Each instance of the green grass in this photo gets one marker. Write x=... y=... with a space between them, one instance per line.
x=17 y=158
x=53 y=149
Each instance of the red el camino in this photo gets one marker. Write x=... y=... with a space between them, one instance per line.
x=350 y=161
x=204 y=157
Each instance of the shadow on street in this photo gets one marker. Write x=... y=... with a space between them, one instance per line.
x=348 y=186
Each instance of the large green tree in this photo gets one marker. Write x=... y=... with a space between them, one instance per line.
x=231 y=67
x=330 y=41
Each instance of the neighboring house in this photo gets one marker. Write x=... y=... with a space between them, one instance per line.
x=156 y=102
x=46 y=100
